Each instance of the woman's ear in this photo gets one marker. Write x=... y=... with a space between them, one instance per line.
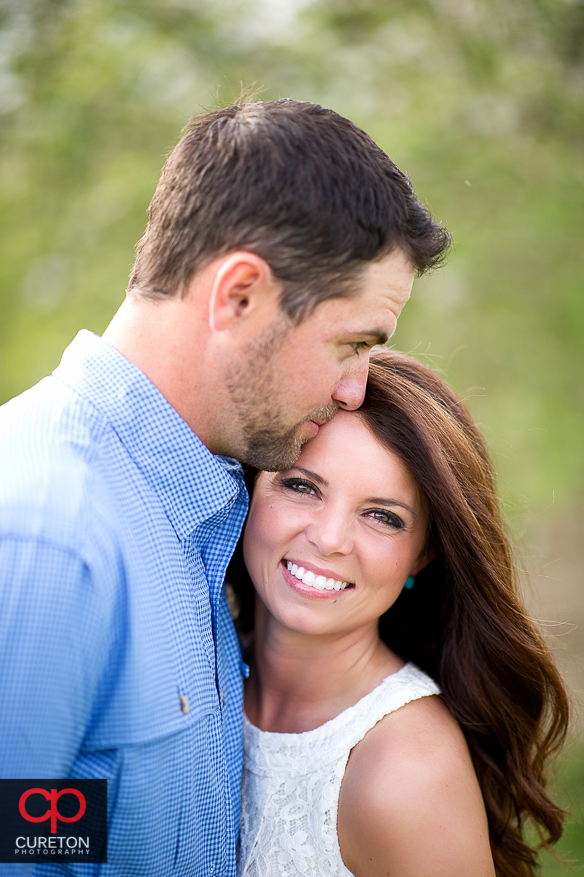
x=423 y=560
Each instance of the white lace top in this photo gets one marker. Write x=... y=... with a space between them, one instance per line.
x=291 y=784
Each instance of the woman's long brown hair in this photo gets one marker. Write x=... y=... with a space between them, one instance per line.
x=463 y=622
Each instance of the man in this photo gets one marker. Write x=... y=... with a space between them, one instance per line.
x=281 y=246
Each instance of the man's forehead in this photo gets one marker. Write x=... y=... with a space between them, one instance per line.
x=371 y=308
x=371 y=305
x=384 y=283
x=346 y=320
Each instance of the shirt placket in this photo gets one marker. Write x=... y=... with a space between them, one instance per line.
x=209 y=542
x=200 y=550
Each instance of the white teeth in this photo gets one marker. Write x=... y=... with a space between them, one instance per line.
x=320 y=582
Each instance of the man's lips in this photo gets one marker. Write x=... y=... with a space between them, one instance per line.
x=314 y=427
x=325 y=415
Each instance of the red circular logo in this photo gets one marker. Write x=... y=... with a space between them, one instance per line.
x=53 y=811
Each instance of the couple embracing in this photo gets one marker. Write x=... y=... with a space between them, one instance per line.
x=397 y=706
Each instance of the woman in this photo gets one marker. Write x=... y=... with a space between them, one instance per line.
x=380 y=565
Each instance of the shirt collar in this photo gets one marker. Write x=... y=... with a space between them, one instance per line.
x=190 y=481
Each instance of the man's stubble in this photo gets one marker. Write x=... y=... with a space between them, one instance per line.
x=259 y=402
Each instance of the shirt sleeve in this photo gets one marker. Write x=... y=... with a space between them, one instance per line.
x=51 y=654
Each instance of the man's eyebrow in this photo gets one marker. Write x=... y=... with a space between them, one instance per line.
x=312 y=475
x=379 y=336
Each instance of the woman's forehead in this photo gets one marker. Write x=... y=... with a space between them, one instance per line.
x=346 y=452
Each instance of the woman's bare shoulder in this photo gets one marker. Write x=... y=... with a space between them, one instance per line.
x=410 y=802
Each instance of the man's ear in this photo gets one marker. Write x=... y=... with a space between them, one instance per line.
x=243 y=284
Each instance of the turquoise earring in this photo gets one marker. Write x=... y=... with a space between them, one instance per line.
x=409 y=583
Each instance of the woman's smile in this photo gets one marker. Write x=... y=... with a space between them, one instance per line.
x=307 y=579
x=318 y=578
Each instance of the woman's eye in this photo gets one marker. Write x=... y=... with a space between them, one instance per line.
x=358 y=346
x=298 y=486
x=389 y=519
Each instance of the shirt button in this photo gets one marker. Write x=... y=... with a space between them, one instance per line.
x=184 y=704
x=223 y=698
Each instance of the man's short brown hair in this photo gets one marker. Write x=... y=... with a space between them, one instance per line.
x=292 y=182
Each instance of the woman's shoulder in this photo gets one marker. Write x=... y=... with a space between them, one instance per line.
x=421 y=740
x=410 y=802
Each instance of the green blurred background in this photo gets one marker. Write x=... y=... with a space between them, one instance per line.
x=481 y=102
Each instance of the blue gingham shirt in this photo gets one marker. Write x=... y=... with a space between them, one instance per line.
x=118 y=656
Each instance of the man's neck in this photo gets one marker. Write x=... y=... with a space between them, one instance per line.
x=166 y=339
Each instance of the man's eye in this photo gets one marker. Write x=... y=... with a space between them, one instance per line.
x=299 y=486
x=358 y=346
x=388 y=519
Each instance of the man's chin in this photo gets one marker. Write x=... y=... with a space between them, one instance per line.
x=275 y=453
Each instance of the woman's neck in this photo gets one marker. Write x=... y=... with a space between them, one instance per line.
x=299 y=681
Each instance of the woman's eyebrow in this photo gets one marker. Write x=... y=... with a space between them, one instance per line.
x=381 y=500
x=312 y=475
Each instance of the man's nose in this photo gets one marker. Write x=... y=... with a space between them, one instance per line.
x=350 y=390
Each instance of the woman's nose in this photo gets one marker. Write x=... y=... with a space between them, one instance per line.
x=330 y=534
